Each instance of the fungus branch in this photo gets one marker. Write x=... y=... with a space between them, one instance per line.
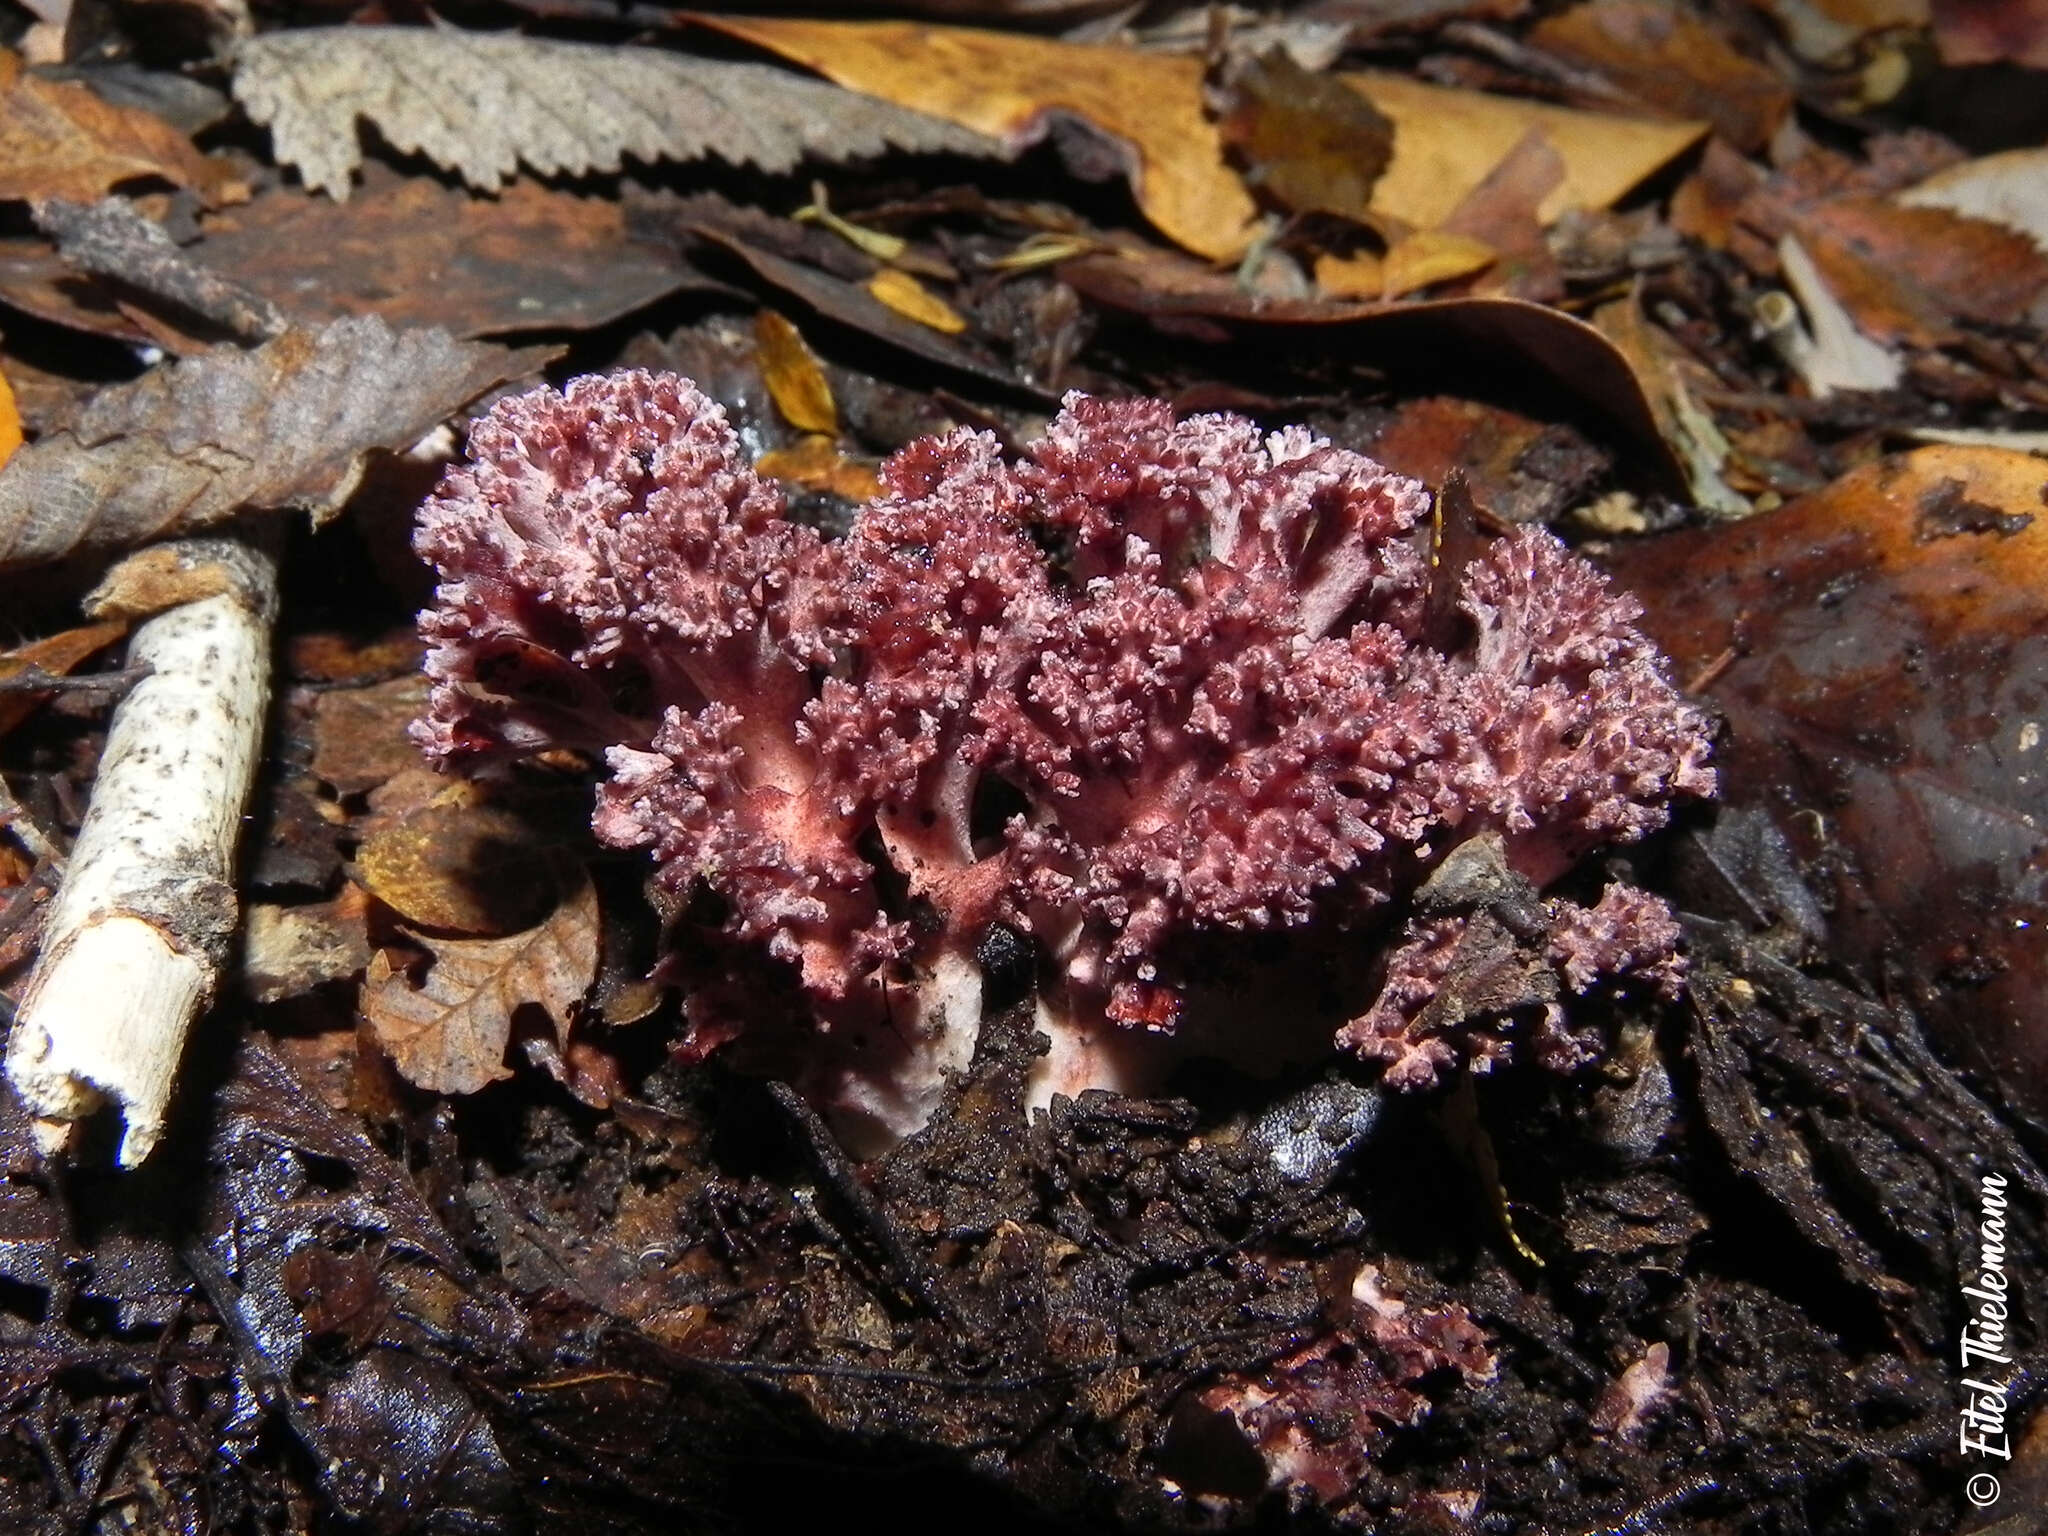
x=1157 y=685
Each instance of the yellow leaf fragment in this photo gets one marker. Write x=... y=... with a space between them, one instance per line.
x=816 y=464
x=10 y=420
x=910 y=298
x=1430 y=256
x=795 y=379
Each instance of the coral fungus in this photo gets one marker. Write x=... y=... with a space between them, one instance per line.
x=1156 y=684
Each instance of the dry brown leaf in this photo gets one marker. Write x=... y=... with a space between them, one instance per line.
x=447 y=1031
x=1012 y=86
x=457 y=865
x=483 y=104
x=1672 y=63
x=795 y=379
x=54 y=655
x=1307 y=142
x=1907 y=273
x=59 y=139
x=190 y=443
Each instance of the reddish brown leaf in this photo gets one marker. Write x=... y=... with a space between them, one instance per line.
x=58 y=139
x=1907 y=274
x=1671 y=63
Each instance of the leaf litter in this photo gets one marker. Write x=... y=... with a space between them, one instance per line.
x=493 y=1194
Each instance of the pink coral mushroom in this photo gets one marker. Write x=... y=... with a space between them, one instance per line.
x=1184 y=663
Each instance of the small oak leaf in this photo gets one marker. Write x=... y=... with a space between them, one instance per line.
x=447 y=1029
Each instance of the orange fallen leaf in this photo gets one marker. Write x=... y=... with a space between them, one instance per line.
x=1012 y=86
x=54 y=655
x=59 y=139
x=795 y=379
x=911 y=299
x=447 y=1030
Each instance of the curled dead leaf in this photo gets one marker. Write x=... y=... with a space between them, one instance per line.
x=458 y=865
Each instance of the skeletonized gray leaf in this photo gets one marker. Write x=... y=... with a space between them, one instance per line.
x=480 y=104
x=191 y=443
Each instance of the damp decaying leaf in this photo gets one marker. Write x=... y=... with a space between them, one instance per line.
x=555 y=107
x=446 y=1021
x=359 y=738
x=420 y=253
x=1881 y=650
x=851 y=304
x=60 y=139
x=1010 y=86
x=286 y=425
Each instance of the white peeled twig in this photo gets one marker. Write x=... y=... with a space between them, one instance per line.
x=134 y=940
x=1833 y=355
